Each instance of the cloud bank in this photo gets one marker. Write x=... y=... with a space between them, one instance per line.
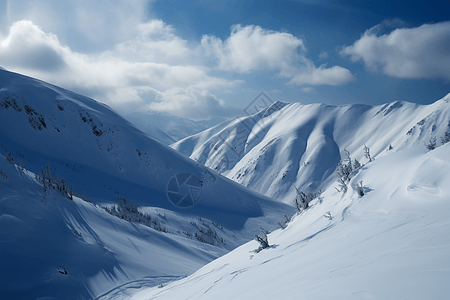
x=130 y=76
x=421 y=52
x=158 y=70
x=252 y=48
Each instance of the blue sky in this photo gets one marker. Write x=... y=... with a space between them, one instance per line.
x=200 y=59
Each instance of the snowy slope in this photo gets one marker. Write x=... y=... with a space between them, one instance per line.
x=168 y=128
x=292 y=144
x=44 y=233
x=392 y=243
x=104 y=157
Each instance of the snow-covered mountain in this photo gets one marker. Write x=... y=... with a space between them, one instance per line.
x=292 y=144
x=187 y=214
x=391 y=243
x=168 y=128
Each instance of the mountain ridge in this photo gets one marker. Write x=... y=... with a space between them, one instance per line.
x=305 y=134
x=108 y=165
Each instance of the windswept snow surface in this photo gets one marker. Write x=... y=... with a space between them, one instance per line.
x=392 y=243
x=292 y=144
x=104 y=157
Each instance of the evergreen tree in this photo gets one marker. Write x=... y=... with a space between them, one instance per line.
x=431 y=145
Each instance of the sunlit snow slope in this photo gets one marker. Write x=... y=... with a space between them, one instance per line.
x=104 y=157
x=293 y=144
x=392 y=243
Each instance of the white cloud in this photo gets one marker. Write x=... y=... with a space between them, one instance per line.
x=252 y=48
x=27 y=46
x=124 y=82
x=156 y=68
x=83 y=25
x=155 y=42
x=421 y=52
x=319 y=76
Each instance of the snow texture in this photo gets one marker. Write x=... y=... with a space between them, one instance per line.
x=392 y=243
x=52 y=247
x=287 y=145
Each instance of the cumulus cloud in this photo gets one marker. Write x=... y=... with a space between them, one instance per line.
x=27 y=46
x=421 y=52
x=254 y=48
x=124 y=82
x=156 y=42
x=83 y=25
x=157 y=69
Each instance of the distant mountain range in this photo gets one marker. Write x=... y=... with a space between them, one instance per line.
x=289 y=144
x=168 y=128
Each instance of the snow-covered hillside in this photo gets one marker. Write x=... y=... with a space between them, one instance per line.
x=292 y=144
x=392 y=243
x=195 y=214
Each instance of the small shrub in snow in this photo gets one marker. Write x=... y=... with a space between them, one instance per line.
x=130 y=212
x=263 y=241
x=205 y=233
x=9 y=157
x=431 y=145
x=62 y=270
x=356 y=164
x=57 y=183
x=446 y=138
x=359 y=188
x=367 y=153
x=344 y=170
x=302 y=200
x=283 y=224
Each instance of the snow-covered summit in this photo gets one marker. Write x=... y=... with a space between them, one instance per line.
x=292 y=144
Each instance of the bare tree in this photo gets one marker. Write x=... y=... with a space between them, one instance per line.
x=367 y=153
x=302 y=200
x=263 y=241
